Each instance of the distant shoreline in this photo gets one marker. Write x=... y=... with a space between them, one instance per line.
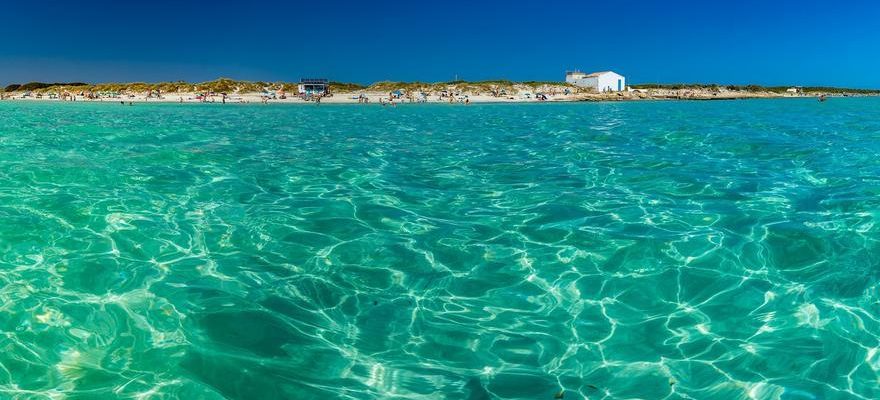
x=231 y=91
x=379 y=98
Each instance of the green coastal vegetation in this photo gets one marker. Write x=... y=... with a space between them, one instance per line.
x=218 y=86
x=226 y=85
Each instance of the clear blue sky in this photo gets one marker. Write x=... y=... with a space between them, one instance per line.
x=811 y=42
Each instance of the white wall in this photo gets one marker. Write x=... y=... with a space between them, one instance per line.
x=583 y=82
x=608 y=82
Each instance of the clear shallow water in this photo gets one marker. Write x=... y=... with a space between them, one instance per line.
x=624 y=250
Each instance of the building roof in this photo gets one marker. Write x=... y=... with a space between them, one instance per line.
x=590 y=75
x=596 y=74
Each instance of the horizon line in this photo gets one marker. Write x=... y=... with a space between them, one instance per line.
x=366 y=85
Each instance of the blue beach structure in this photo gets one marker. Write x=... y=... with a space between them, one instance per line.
x=314 y=86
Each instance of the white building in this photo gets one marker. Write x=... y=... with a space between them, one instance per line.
x=604 y=81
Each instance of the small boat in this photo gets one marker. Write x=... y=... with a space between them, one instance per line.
x=822 y=97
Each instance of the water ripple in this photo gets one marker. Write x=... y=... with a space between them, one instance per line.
x=668 y=250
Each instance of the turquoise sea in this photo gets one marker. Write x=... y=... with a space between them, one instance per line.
x=643 y=250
